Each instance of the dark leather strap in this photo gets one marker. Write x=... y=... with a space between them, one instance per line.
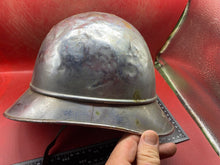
x=46 y=158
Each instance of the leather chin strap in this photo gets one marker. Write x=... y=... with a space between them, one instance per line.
x=46 y=158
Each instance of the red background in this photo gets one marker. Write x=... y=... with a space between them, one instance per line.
x=24 y=24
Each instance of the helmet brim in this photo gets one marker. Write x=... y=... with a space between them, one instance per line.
x=35 y=107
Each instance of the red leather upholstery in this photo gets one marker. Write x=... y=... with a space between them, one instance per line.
x=23 y=25
x=193 y=59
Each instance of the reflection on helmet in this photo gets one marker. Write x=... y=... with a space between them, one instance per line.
x=86 y=65
x=95 y=57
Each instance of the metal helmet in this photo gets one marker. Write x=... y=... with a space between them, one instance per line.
x=93 y=69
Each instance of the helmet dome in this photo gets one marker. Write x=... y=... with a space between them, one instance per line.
x=95 y=57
